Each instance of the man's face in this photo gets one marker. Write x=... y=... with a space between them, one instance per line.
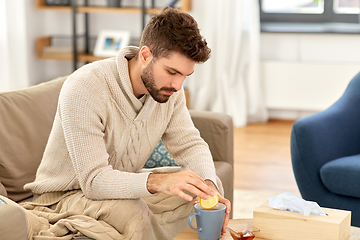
x=164 y=76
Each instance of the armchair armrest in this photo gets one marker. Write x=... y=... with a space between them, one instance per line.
x=217 y=131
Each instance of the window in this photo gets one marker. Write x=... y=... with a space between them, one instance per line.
x=310 y=11
x=293 y=6
x=346 y=6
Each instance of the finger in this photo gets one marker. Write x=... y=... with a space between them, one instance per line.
x=226 y=202
x=184 y=196
x=227 y=213
x=205 y=190
x=192 y=183
x=201 y=185
x=226 y=222
x=196 y=191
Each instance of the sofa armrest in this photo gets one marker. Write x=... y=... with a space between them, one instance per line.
x=217 y=131
x=12 y=222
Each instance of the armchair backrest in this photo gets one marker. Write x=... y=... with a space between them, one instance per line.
x=26 y=118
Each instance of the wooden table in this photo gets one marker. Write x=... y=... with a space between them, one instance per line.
x=236 y=224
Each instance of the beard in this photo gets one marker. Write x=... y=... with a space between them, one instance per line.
x=147 y=78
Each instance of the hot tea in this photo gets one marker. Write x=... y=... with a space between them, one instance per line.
x=212 y=209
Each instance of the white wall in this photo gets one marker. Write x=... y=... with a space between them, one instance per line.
x=306 y=73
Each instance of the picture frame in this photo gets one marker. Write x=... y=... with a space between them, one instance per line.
x=109 y=42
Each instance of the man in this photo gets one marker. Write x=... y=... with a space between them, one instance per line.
x=110 y=116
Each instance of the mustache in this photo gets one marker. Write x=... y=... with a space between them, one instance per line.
x=168 y=89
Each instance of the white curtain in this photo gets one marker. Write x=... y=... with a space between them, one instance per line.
x=230 y=81
x=13 y=45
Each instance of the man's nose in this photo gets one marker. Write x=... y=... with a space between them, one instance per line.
x=177 y=84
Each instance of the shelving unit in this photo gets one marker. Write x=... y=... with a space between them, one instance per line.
x=45 y=41
x=76 y=56
x=41 y=5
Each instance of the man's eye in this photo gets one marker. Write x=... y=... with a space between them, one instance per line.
x=172 y=73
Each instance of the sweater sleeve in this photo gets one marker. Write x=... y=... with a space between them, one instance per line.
x=82 y=109
x=184 y=143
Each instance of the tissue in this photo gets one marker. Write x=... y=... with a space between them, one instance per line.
x=290 y=202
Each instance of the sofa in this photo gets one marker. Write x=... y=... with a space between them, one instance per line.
x=325 y=153
x=26 y=118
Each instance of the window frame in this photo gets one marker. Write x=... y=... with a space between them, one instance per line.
x=328 y=16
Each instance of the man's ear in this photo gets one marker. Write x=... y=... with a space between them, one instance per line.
x=145 y=54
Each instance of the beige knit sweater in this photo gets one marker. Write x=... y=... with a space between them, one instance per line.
x=102 y=135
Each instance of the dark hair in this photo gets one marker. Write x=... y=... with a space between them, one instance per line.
x=172 y=30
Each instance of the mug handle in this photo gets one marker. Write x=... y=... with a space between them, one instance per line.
x=189 y=221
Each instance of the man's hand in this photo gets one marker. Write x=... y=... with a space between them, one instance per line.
x=174 y=184
x=221 y=200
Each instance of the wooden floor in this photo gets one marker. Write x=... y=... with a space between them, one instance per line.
x=262 y=157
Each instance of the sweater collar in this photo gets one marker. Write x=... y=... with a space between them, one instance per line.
x=138 y=106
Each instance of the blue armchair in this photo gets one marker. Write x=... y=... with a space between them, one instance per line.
x=325 y=152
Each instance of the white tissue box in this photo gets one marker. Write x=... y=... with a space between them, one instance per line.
x=285 y=225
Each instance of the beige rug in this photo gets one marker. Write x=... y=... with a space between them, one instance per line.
x=245 y=201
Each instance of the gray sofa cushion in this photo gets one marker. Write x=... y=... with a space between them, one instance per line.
x=342 y=176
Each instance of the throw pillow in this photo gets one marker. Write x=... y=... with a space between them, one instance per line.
x=160 y=157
